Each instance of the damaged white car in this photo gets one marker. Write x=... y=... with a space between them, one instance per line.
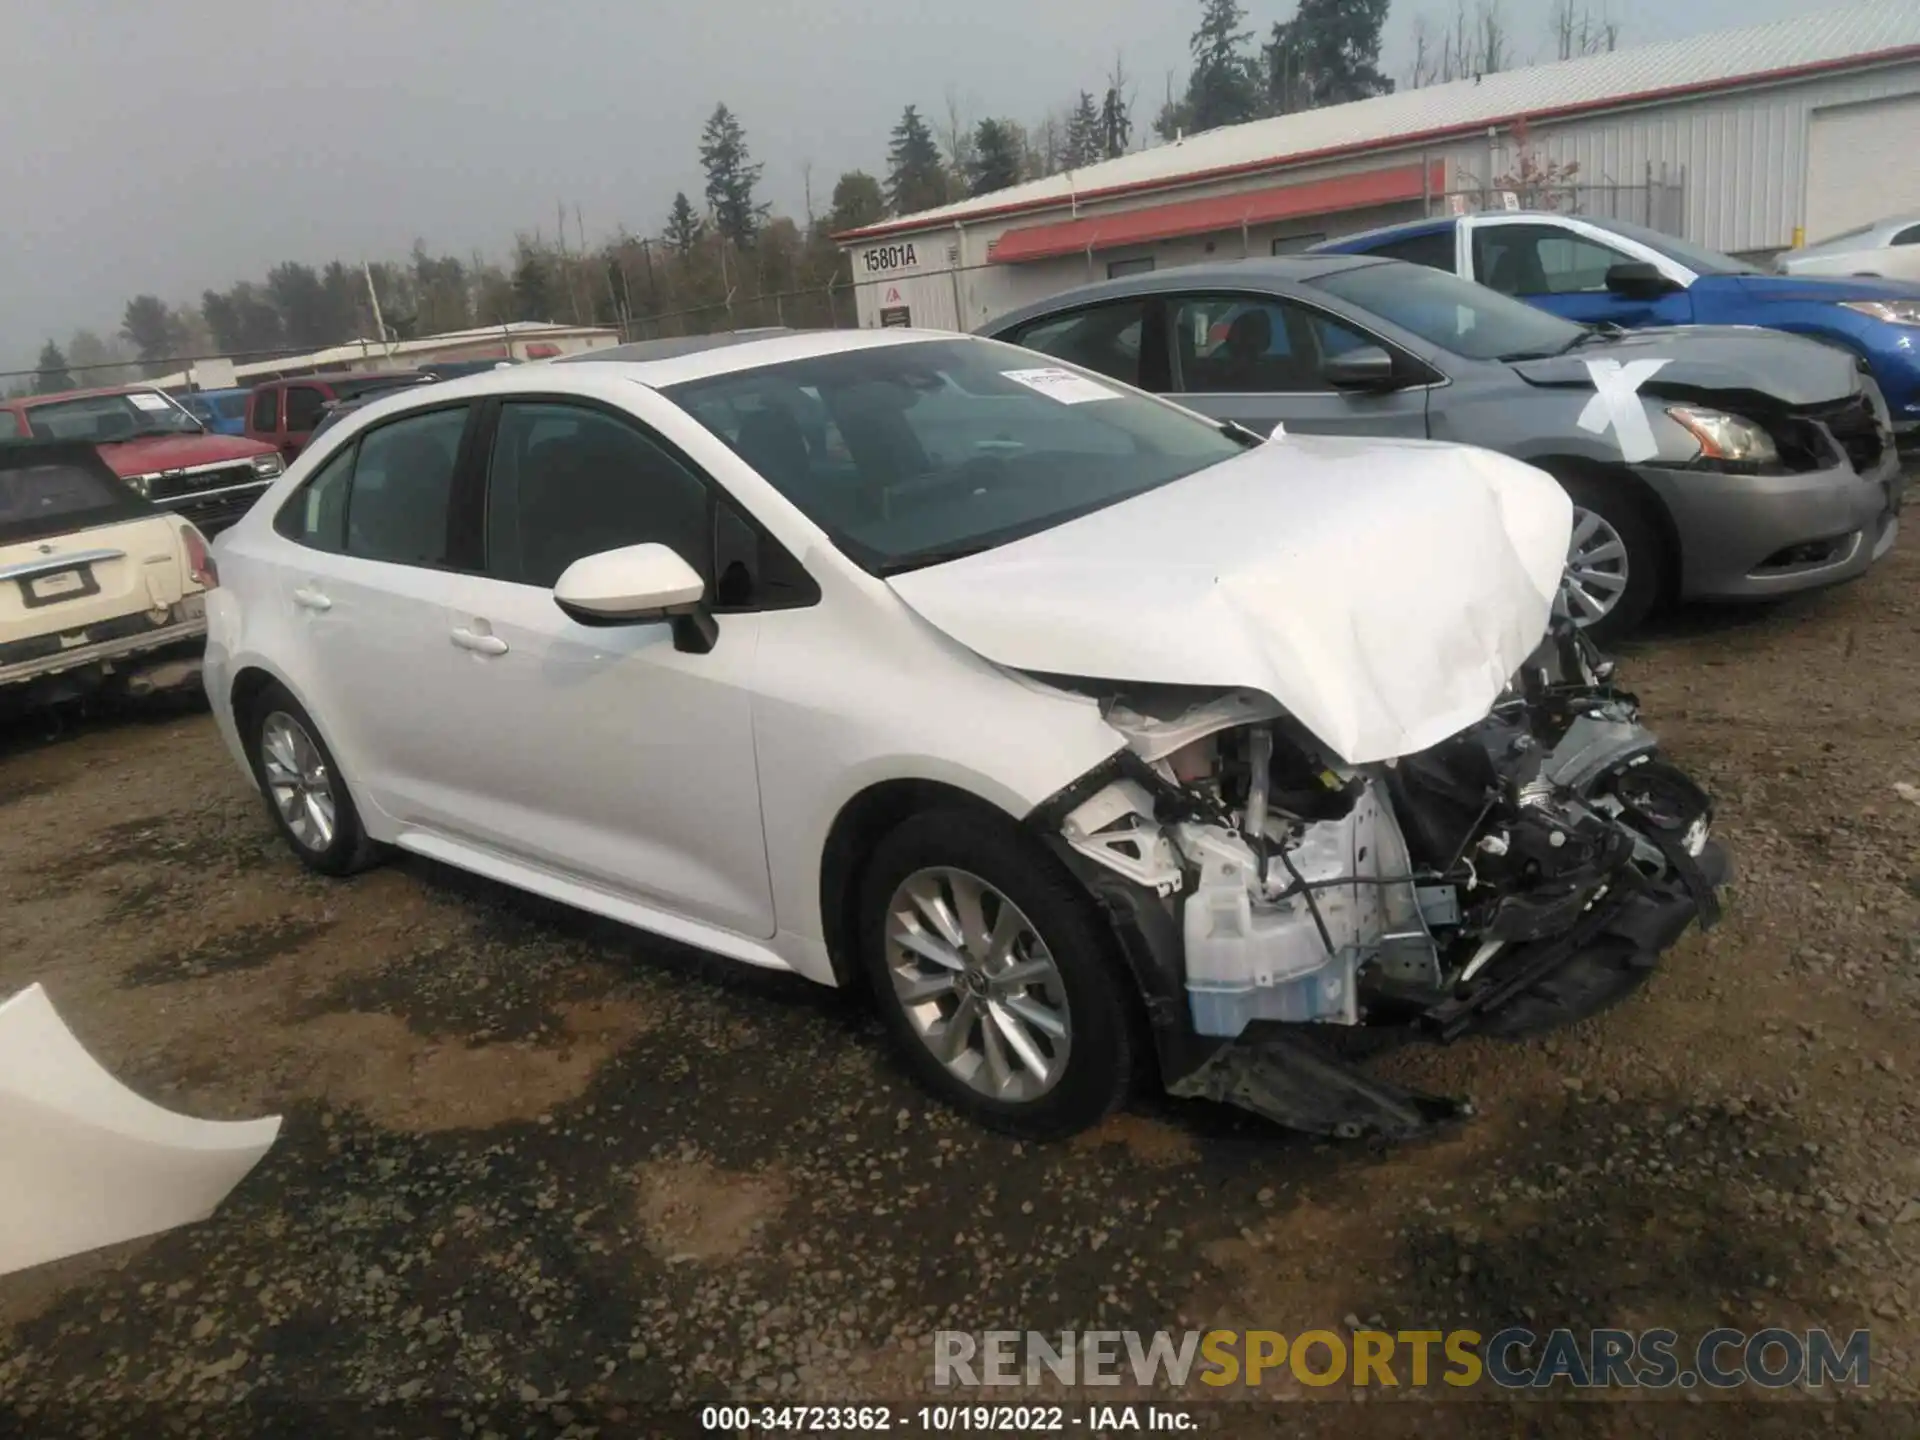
x=1086 y=732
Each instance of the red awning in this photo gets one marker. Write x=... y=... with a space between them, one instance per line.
x=1359 y=191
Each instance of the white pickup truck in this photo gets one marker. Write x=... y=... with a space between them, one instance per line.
x=99 y=588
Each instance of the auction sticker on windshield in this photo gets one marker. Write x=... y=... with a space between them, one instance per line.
x=1062 y=385
x=147 y=400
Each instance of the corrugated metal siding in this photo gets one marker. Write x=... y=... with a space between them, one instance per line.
x=1743 y=155
x=1823 y=37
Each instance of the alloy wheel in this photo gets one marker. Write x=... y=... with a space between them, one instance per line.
x=298 y=780
x=978 y=984
x=1596 y=575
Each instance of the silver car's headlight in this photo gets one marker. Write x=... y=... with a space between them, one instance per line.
x=267 y=466
x=1727 y=439
x=1894 y=312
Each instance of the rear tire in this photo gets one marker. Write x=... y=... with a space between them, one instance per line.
x=304 y=791
x=965 y=921
x=1613 y=540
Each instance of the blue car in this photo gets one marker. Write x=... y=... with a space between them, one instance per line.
x=1612 y=272
x=224 y=412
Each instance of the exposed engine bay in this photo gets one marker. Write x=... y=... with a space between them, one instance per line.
x=1520 y=875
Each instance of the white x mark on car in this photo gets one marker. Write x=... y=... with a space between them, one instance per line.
x=1078 y=727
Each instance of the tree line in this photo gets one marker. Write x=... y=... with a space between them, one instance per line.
x=724 y=258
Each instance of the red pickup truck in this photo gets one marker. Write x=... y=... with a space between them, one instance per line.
x=156 y=446
x=282 y=413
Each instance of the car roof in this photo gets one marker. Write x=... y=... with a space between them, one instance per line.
x=98 y=390
x=1279 y=271
x=1850 y=238
x=1404 y=230
x=697 y=357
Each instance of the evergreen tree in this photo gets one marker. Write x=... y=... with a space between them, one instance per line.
x=533 y=288
x=1086 y=138
x=1224 y=88
x=154 y=331
x=1328 y=54
x=995 y=163
x=730 y=178
x=52 y=375
x=1116 y=124
x=857 y=202
x=685 y=229
x=916 y=180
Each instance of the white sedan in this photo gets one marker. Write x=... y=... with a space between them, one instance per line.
x=1077 y=727
x=1887 y=248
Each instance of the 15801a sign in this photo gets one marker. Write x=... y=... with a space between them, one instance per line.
x=883 y=258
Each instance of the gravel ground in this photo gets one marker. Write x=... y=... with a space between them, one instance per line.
x=540 y=1167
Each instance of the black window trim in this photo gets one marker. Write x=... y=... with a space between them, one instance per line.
x=463 y=548
x=1434 y=378
x=473 y=504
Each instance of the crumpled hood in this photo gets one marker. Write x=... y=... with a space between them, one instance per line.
x=1383 y=591
x=1714 y=360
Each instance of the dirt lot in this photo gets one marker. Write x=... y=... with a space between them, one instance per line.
x=534 y=1161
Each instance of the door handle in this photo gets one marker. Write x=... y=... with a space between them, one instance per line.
x=311 y=599
x=480 y=644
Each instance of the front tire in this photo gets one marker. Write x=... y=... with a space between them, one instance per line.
x=305 y=793
x=1615 y=560
x=995 y=975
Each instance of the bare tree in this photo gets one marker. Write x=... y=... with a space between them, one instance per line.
x=1425 y=69
x=957 y=134
x=1475 y=42
x=1577 y=31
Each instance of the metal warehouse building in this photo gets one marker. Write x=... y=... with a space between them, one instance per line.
x=1744 y=140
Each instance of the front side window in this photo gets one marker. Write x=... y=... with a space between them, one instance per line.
x=1247 y=345
x=566 y=481
x=915 y=453
x=1104 y=338
x=304 y=404
x=1541 y=260
x=266 y=409
x=99 y=419
x=402 y=488
x=1697 y=258
x=1454 y=314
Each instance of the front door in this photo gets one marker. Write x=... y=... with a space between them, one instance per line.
x=1565 y=271
x=1259 y=360
x=603 y=752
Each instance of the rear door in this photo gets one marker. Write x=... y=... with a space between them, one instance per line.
x=263 y=416
x=1259 y=360
x=366 y=596
x=303 y=406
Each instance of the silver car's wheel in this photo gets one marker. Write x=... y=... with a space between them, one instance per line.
x=298 y=780
x=1597 y=568
x=977 y=984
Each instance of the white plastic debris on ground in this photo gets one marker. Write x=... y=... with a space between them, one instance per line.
x=85 y=1162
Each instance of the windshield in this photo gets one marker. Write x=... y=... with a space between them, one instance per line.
x=102 y=418
x=916 y=453
x=1696 y=258
x=1454 y=314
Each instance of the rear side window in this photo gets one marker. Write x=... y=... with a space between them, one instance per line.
x=1434 y=250
x=387 y=496
x=266 y=410
x=304 y=404
x=1908 y=236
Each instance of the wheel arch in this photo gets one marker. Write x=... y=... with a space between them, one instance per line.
x=859 y=826
x=1646 y=499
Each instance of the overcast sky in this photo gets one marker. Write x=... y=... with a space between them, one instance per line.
x=172 y=148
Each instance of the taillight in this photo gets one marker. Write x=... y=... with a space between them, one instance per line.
x=200 y=567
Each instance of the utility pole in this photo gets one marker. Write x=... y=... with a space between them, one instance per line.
x=373 y=296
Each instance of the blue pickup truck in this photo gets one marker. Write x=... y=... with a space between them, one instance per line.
x=1611 y=272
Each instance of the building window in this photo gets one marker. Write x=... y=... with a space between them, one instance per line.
x=1294 y=244
x=1137 y=266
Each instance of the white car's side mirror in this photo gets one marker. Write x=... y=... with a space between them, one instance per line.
x=1279 y=431
x=637 y=585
